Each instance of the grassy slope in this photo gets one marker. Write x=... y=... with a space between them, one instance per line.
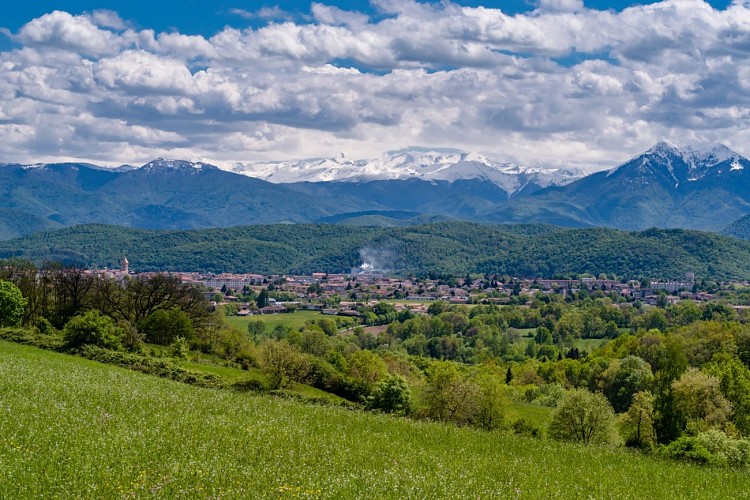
x=75 y=428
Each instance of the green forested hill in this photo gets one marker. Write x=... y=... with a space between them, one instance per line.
x=446 y=247
x=739 y=228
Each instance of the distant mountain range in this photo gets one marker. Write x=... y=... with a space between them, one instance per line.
x=666 y=186
x=413 y=164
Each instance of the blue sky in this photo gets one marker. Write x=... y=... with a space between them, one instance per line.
x=544 y=83
x=208 y=17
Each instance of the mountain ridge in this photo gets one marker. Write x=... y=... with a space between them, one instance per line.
x=666 y=186
x=410 y=164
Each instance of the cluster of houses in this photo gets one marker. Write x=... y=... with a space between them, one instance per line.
x=344 y=294
x=339 y=293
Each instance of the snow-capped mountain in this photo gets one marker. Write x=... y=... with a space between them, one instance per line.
x=697 y=187
x=402 y=165
x=690 y=163
x=161 y=165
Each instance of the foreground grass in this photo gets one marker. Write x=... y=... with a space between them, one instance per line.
x=73 y=428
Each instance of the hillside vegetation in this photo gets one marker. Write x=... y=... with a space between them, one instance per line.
x=446 y=247
x=75 y=428
x=739 y=228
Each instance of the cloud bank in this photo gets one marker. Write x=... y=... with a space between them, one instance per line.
x=561 y=85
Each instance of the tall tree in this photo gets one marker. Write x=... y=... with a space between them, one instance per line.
x=637 y=424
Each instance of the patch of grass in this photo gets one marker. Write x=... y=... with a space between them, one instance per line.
x=537 y=415
x=294 y=320
x=527 y=332
x=228 y=373
x=73 y=428
x=310 y=392
x=589 y=344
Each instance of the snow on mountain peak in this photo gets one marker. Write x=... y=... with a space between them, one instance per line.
x=695 y=155
x=449 y=166
x=664 y=147
x=710 y=155
x=700 y=159
x=160 y=164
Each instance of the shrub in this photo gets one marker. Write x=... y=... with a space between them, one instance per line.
x=162 y=326
x=491 y=402
x=689 y=449
x=449 y=396
x=91 y=329
x=247 y=358
x=523 y=427
x=726 y=450
x=584 y=417
x=250 y=384
x=12 y=304
x=52 y=342
x=155 y=366
x=43 y=326
x=391 y=395
x=283 y=363
x=180 y=349
x=132 y=339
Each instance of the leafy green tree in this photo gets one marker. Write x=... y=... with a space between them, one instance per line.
x=314 y=341
x=698 y=398
x=569 y=327
x=449 y=396
x=684 y=313
x=12 y=304
x=671 y=363
x=654 y=319
x=543 y=336
x=718 y=312
x=632 y=375
x=734 y=382
x=366 y=369
x=637 y=424
x=283 y=363
x=163 y=327
x=491 y=402
x=262 y=299
x=328 y=326
x=437 y=307
x=584 y=417
x=390 y=395
x=91 y=328
x=257 y=330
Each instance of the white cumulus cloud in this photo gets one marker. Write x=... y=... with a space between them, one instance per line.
x=560 y=85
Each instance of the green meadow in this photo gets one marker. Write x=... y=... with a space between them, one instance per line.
x=293 y=320
x=73 y=428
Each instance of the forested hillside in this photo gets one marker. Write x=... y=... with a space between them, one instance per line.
x=447 y=247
